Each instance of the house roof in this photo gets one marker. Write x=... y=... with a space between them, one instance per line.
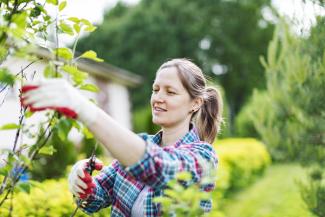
x=100 y=69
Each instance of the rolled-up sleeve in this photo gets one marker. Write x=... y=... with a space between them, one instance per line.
x=161 y=164
x=103 y=192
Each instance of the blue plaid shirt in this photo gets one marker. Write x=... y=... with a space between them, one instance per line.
x=120 y=186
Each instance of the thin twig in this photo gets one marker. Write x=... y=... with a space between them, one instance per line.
x=24 y=167
x=32 y=157
x=23 y=69
x=11 y=204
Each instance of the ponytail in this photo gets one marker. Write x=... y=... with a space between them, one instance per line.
x=208 y=119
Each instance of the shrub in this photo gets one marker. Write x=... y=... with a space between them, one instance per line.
x=241 y=161
x=50 y=198
x=289 y=115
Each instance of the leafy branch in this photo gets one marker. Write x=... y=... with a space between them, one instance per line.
x=24 y=21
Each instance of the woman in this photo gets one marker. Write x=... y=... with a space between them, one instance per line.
x=189 y=114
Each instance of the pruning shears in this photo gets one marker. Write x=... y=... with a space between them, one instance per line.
x=90 y=168
x=91 y=164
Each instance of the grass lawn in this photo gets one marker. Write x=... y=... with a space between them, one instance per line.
x=274 y=195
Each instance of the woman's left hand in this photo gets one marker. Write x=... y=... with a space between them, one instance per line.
x=59 y=95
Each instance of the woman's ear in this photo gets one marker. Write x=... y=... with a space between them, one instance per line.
x=197 y=103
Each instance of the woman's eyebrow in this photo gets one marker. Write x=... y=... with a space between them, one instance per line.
x=166 y=86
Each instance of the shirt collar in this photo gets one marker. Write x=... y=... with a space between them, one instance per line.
x=190 y=137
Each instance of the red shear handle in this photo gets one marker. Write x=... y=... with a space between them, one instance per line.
x=64 y=110
x=89 y=181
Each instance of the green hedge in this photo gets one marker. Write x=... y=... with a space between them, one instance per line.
x=50 y=198
x=241 y=161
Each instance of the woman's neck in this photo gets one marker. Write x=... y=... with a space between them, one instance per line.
x=171 y=135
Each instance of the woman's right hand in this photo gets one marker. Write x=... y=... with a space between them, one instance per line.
x=80 y=181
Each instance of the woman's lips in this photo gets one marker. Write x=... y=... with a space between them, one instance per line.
x=158 y=110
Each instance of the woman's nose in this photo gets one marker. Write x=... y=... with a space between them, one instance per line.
x=158 y=96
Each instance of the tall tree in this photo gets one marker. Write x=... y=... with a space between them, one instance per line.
x=228 y=33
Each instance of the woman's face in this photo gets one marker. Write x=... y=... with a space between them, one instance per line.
x=170 y=102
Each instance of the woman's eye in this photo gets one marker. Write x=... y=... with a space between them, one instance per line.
x=170 y=92
x=154 y=90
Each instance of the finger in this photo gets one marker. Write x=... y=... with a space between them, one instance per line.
x=42 y=91
x=27 y=88
x=51 y=87
x=77 y=189
x=92 y=185
x=81 y=183
x=31 y=98
x=80 y=171
x=87 y=177
x=83 y=196
x=88 y=191
x=98 y=164
x=48 y=103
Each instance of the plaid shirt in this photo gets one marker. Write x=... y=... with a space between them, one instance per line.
x=120 y=186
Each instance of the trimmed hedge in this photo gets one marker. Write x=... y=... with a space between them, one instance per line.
x=241 y=161
x=50 y=198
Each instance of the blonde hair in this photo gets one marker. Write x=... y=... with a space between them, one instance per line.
x=208 y=118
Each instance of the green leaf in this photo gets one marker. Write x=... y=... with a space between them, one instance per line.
x=74 y=19
x=76 y=125
x=54 y=2
x=77 y=75
x=24 y=187
x=64 y=53
x=6 y=77
x=20 y=19
x=35 y=12
x=10 y=126
x=91 y=55
x=171 y=193
x=49 y=71
x=35 y=183
x=64 y=127
x=35 y=22
x=3 y=50
x=87 y=133
x=5 y=170
x=90 y=28
x=165 y=201
x=25 y=159
x=76 y=27
x=66 y=28
x=89 y=87
x=48 y=150
x=185 y=176
x=62 y=5
x=86 y=22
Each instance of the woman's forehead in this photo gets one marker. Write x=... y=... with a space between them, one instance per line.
x=168 y=77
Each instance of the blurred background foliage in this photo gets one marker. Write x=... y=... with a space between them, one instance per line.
x=141 y=37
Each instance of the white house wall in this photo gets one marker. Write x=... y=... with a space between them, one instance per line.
x=119 y=105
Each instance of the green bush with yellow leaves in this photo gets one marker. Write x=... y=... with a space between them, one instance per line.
x=50 y=198
x=240 y=162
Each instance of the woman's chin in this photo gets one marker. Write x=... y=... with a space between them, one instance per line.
x=158 y=122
